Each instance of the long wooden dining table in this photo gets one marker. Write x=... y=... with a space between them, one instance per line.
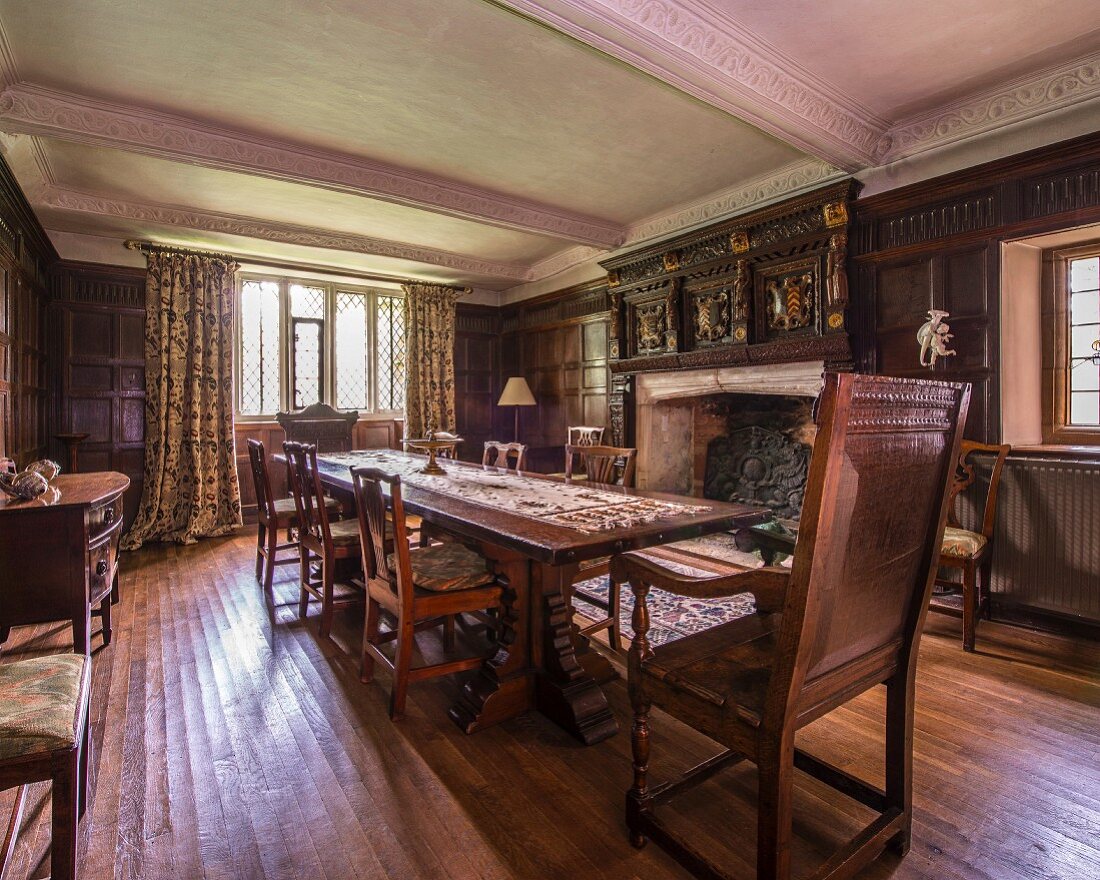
x=541 y=661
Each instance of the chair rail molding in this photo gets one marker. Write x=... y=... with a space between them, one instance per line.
x=36 y=110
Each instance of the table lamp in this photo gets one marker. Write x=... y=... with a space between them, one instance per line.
x=516 y=393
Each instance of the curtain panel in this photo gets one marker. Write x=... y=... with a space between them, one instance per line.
x=429 y=358
x=191 y=488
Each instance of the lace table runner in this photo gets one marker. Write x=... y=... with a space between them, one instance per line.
x=574 y=505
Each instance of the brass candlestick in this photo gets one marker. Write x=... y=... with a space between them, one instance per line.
x=432 y=445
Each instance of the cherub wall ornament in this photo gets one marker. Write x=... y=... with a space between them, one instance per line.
x=933 y=337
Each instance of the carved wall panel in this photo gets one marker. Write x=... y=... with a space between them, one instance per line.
x=790 y=295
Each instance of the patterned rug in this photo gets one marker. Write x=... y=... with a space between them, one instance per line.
x=672 y=617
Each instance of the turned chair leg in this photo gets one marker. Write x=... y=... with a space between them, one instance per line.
x=970 y=607
x=402 y=663
x=370 y=637
x=639 y=745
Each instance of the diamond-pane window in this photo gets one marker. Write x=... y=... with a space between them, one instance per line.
x=260 y=342
x=351 y=350
x=389 y=314
x=307 y=302
x=1084 y=342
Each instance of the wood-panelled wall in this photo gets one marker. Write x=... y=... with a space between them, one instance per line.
x=25 y=256
x=97 y=329
x=937 y=244
x=477 y=366
x=559 y=344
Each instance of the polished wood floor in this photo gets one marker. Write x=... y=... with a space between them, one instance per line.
x=230 y=742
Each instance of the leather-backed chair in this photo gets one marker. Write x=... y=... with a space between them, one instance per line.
x=421 y=587
x=44 y=734
x=846 y=617
x=971 y=552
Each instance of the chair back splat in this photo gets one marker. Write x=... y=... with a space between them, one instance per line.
x=499 y=454
x=611 y=465
x=846 y=617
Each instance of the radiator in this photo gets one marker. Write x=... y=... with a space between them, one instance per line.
x=1046 y=553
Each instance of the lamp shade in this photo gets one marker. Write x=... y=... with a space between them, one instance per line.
x=516 y=393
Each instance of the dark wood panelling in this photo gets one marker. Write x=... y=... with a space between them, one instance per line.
x=477 y=364
x=559 y=343
x=97 y=322
x=25 y=255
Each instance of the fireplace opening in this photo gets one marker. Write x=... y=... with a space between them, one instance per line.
x=755 y=449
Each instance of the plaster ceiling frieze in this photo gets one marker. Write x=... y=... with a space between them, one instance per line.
x=1022 y=99
x=29 y=109
x=563 y=260
x=695 y=49
x=282 y=233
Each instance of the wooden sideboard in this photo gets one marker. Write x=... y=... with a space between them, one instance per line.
x=59 y=554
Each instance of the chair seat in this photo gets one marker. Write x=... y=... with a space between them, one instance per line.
x=728 y=665
x=284 y=507
x=962 y=544
x=445 y=567
x=38 y=704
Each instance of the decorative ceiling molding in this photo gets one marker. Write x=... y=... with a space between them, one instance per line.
x=35 y=110
x=785 y=183
x=8 y=74
x=1017 y=101
x=696 y=49
x=267 y=230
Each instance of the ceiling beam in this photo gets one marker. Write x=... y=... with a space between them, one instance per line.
x=698 y=50
x=30 y=109
x=63 y=199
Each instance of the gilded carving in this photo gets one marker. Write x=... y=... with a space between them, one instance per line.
x=739 y=241
x=741 y=291
x=836 y=281
x=613 y=278
x=793 y=227
x=671 y=261
x=712 y=315
x=650 y=326
x=835 y=213
x=790 y=300
x=836 y=320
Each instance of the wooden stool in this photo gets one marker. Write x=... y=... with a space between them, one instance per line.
x=44 y=735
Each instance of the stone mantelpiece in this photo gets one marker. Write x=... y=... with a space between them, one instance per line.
x=665 y=417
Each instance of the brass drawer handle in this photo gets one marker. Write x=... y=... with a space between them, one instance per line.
x=101 y=567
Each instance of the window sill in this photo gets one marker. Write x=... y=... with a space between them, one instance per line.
x=1059 y=450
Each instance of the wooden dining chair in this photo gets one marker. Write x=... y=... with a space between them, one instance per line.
x=610 y=465
x=44 y=735
x=334 y=545
x=422 y=587
x=273 y=514
x=968 y=551
x=510 y=456
x=580 y=435
x=846 y=617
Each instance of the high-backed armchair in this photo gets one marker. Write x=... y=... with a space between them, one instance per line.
x=319 y=425
x=846 y=617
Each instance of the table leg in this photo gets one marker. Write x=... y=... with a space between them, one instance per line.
x=565 y=691
x=502 y=687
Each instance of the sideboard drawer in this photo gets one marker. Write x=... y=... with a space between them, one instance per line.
x=102 y=517
x=101 y=570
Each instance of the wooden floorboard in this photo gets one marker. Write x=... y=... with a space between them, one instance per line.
x=230 y=741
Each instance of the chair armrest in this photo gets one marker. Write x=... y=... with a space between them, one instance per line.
x=767 y=585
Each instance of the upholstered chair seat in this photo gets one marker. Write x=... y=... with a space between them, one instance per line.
x=38 y=710
x=962 y=543
x=284 y=508
x=446 y=567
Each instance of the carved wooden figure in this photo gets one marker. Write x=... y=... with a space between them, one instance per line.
x=845 y=618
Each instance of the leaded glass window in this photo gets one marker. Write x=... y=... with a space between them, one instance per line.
x=390 y=352
x=260 y=345
x=303 y=342
x=1084 y=347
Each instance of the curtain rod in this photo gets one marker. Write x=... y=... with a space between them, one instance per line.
x=146 y=246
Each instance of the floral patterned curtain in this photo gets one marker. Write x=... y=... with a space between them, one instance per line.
x=430 y=358
x=191 y=488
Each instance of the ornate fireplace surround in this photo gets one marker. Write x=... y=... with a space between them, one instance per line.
x=755 y=304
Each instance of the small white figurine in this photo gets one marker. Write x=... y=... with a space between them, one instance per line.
x=933 y=338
